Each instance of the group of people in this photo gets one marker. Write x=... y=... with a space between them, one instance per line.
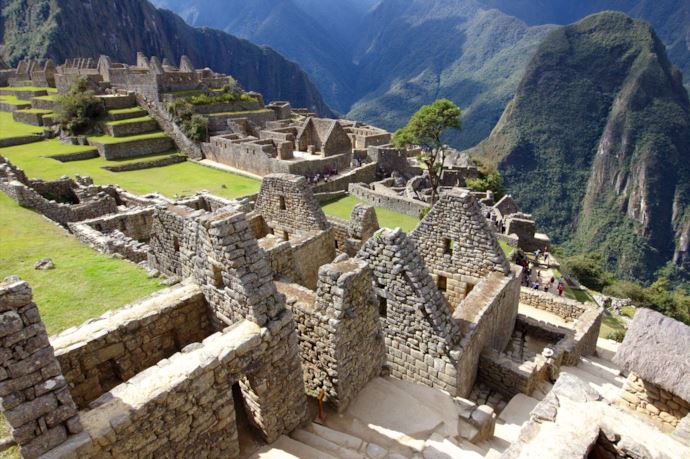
x=531 y=274
x=326 y=175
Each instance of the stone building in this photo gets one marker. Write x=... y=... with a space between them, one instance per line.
x=658 y=386
x=458 y=246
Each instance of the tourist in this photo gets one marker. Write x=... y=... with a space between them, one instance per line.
x=561 y=287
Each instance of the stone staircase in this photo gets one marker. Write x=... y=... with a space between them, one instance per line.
x=390 y=419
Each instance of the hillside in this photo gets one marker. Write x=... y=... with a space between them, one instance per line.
x=596 y=144
x=670 y=18
x=70 y=28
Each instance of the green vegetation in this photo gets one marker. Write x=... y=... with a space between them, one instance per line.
x=84 y=284
x=342 y=208
x=77 y=111
x=12 y=100
x=425 y=129
x=225 y=97
x=487 y=181
x=507 y=249
x=193 y=125
x=178 y=179
x=130 y=120
x=33 y=88
x=9 y=128
x=107 y=139
x=587 y=96
x=588 y=269
x=136 y=109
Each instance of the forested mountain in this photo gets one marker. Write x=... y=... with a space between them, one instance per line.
x=63 y=29
x=596 y=143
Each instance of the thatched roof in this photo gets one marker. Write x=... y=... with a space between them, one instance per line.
x=657 y=348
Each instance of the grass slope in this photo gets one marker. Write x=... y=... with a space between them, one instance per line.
x=84 y=284
x=9 y=128
x=342 y=208
x=178 y=179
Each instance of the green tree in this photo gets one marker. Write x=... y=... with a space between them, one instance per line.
x=425 y=129
x=78 y=110
x=490 y=181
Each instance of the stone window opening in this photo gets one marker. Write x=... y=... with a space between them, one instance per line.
x=217 y=277
x=176 y=244
x=442 y=283
x=448 y=246
x=468 y=288
x=99 y=227
x=383 y=306
x=336 y=244
x=286 y=236
x=281 y=202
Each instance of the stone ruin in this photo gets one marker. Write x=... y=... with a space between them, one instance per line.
x=29 y=72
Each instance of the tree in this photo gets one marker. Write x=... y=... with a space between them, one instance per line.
x=77 y=111
x=425 y=129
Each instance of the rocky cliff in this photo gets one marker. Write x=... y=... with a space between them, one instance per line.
x=62 y=29
x=596 y=143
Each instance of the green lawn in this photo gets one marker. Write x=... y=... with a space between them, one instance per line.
x=9 y=128
x=342 y=208
x=507 y=249
x=84 y=283
x=131 y=120
x=12 y=100
x=126 y=110
x=29 y=88
x=107 y=139
x=610 y=324
x=179 y=179
x=36 y=110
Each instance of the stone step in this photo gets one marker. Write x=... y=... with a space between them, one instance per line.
x=340 y=438
x=126 y=113
x=599 y=367
x=43 y=103
x=23 y=94
x=131 y=126
x=118 y=101
x=31 y=116
x=608 y=387
x=438 y=447
x=132 y=148
x=327 y=446
x=287 y=448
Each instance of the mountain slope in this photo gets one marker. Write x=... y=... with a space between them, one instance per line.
x=670 y=18
x=421 y=50
x=318 y=35
x=88 y=28
x=596 y=144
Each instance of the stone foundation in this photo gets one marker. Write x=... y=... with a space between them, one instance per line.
x=663 y=408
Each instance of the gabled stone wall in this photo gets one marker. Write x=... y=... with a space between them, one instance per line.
x=457 y=244
x=422 y=339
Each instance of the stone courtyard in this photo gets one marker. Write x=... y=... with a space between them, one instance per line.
x=288 y=333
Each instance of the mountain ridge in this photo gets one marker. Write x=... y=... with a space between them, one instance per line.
x=121 y=29
x=595 y=143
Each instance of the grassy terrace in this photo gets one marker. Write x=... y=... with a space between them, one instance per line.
x=342 y=208
x=28 y=88
x=12 y=100
x=84 y=283
x=126 y=110
x=106 y=139
x=178 y=179
x=10 y=128
x=131 y=120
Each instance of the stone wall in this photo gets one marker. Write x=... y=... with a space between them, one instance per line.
x=134 y=148
x=131 y=128
x=362 y=174
x=58 y=212
x=280 y=257
x=34 y=396
x=422 y=339
x=109 y=350
x=167 y=238
x=508 y=377
x=457 y=245
x=287 y=203
x=486 y=318
x=406 y=206
x=569 y=310
x=341 y=343
x=647 y=399
x=310 y=251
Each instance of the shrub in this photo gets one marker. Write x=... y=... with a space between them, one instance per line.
x=424 y=213
x=78 y=111
x=487 y=182
x=617 y=335
x=588 y=269
x=196 y=128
